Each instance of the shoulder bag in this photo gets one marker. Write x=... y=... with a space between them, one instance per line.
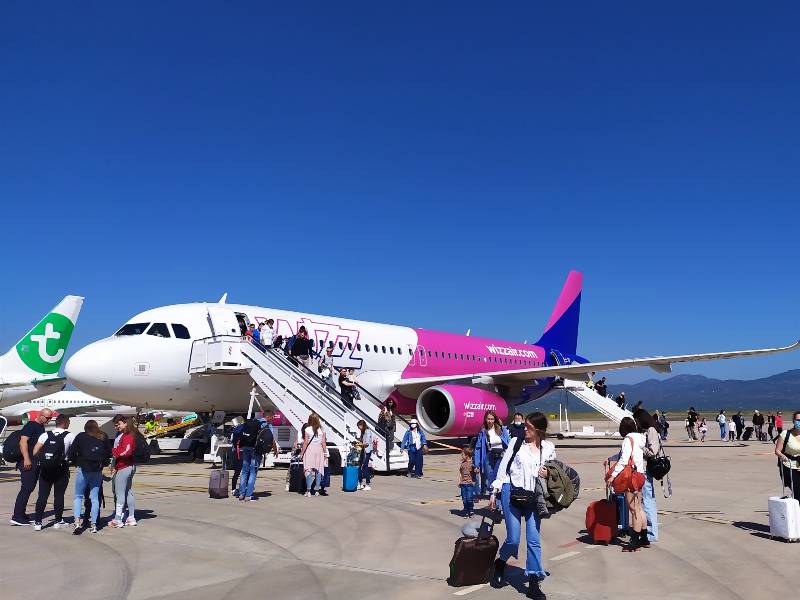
x=520 y=497
x=629 y=479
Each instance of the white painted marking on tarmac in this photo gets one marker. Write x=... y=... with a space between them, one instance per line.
x=565 y=555
x=469 y=590
x=594 y=547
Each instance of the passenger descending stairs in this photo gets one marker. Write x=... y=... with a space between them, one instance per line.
x=296 y=392
x=601 y=404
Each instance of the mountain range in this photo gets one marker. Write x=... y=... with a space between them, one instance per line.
x=777 y=392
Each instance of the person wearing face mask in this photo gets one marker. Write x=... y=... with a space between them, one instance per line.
x=787 y=449
x=491 y=442
x=517 y=427
x=415 y=443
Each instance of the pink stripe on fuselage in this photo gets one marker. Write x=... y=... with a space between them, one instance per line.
x=569 y=292
x=452 y=354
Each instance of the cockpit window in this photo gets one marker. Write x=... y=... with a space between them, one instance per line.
x=132 y=329
x=158 y=330
x=180 y=331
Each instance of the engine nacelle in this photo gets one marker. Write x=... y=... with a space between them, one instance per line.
x=457 y=410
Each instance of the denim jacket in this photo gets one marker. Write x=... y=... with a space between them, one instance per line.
x=408 y=443
x=481 y=457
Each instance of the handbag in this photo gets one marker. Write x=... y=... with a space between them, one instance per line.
x=629 y=479
x=520 y=497
x=658 y=465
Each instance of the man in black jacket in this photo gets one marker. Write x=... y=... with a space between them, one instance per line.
x=738 y=420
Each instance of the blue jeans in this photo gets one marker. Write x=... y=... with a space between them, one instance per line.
x=650 y=509
x=415 y=461
x=247 y=480
x=363 y=468
x=489 y=472
x=533 y=538
x=467 y=495
x=87 y=480
x=314 y=479
x=722 y=431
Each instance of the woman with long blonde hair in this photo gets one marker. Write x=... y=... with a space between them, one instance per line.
x=314 y=444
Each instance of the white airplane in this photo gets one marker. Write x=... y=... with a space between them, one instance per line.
x=70 y=403
x=30 y=369
x=449 y=380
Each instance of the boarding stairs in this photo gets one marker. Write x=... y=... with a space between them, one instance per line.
x=602 y=404
x=296 y=392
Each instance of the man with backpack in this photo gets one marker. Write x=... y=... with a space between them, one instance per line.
x=28 y=466
x=51 y=450
x=255 y=440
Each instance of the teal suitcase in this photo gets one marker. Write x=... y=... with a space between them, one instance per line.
x=349 y=479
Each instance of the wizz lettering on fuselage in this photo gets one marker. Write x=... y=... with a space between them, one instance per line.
x=328 y=333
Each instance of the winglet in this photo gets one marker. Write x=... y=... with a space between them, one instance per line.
x=224 y=298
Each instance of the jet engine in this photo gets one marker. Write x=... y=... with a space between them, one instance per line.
x=457 y=410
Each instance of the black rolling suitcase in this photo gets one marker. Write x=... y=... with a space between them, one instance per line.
x=748 y=431
x=473 y=558
x=297 y=478
x=219 y=482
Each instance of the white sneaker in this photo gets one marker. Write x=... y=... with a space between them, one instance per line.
x=360 y=486
x=130 y=522
x=59 y=524
x=307 y=494
x=366 y=488
x=37 y=526
x=117 y=524
x=93 y=528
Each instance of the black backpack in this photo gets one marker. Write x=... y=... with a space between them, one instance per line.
x=94 y=453
x=141 y=452
x=247 y=439
x=11 y=451
x=264 y=442
x=52 y=453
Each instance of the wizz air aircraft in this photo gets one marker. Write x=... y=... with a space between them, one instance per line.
x=448 y=380
x=30 y=368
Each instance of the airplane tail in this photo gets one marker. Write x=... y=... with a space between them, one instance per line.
x=561 y=332
x=40 y=352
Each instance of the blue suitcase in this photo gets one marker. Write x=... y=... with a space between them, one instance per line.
x=622 y=511
x=349 y=479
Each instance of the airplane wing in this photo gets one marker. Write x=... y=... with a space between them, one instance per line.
x=74 y=411
x=49 y=385
x=660 y=364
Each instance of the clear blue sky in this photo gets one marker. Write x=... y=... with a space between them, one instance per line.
x=439 y=166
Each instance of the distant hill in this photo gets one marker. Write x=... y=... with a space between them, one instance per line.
x=781 y=391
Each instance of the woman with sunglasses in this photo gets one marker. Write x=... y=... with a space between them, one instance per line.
x=522 y=464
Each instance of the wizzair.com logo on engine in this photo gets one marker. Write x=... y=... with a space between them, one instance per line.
x=516 y=352
x=480 y=406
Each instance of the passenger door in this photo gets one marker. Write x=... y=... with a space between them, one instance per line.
x=222 y=321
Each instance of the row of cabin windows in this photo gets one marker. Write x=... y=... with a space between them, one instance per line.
x=435 y=354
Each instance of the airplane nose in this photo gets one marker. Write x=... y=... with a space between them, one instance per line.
x=90 y=369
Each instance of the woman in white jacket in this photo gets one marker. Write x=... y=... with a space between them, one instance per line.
x=633 y=444
x=522 y=464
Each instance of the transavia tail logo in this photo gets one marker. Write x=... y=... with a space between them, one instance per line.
x=43 y=348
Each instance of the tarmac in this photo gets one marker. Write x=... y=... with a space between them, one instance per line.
x=396 y=541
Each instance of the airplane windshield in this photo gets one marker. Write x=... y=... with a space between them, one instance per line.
x=158 y=330
x=132 y=329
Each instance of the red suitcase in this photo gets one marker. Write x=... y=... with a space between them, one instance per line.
x=601 y=520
